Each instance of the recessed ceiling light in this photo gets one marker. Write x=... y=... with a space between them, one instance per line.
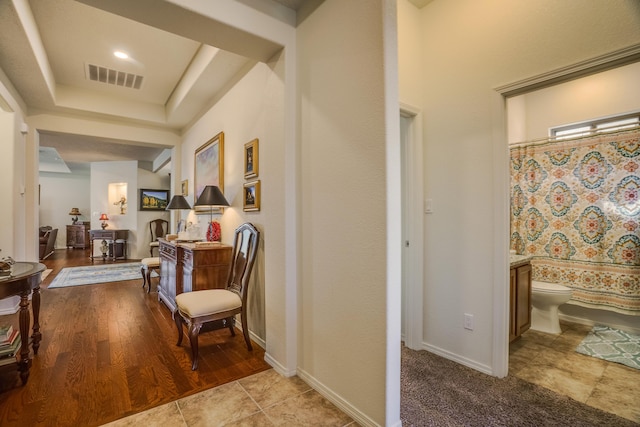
x=120 y=54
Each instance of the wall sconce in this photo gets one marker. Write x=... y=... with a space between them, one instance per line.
x=104 y=218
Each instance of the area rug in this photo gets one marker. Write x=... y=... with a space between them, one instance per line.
x=46 y=273
x=77 y=276
x=613 y=345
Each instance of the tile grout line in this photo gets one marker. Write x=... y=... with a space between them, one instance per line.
x=177 y=402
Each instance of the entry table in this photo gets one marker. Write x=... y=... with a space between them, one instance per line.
x=186 y=267
x=25 y=279
x=117 y=243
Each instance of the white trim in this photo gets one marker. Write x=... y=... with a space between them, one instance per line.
x=413 y=302
x=361 y=418
x=458 y=359
x=278 y=367
x=600 y=63
x=617 y=58
x=255 y=338
x=501 y=219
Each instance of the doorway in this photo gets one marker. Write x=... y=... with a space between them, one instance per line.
x=412 y=226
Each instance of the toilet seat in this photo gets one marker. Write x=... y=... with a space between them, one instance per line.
x=549 y=288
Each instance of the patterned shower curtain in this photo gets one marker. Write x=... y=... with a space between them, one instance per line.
x=575 y=208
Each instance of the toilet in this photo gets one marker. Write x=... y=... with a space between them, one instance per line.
x=546 y=297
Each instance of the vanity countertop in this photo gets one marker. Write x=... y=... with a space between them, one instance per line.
x=518 y=260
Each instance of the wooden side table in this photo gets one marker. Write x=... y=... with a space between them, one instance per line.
x=25 y=280
x=114 y=240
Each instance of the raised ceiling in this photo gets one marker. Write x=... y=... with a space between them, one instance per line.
x=48 y=46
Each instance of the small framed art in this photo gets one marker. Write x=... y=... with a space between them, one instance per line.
x=251 y=200
x=251 y=159
x=153 y=200
x=185 y=187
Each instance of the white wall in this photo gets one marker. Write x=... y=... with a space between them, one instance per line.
x=253 y=108
x=17 y=239
x=344 y=319
x=155 y=181
x=7 y=183
x=103 y=174
x=469 y=49
x=59 y=192
x=609 y=93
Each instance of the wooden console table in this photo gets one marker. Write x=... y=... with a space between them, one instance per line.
x=117 y=243
x=184 y=267
x=24 y=280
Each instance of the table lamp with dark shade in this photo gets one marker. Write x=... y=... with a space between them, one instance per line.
x=211 y=197
x=75 y=212
x=178 y=202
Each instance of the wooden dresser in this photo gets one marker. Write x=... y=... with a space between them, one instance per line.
x=185 y=268
x=78 y=235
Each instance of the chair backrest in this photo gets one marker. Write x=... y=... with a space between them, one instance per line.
x=245 y=249
x=158 y=228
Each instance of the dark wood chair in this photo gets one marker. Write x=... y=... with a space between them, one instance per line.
x=221 y=305
x=158 y=228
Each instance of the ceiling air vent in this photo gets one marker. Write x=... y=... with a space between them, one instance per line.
x=110 y=76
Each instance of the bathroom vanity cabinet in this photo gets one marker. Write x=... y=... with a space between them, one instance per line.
x=520 y=298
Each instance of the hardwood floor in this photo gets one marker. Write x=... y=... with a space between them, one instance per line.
x=108 y=351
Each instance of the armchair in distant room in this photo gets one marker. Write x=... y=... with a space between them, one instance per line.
x=47 y=241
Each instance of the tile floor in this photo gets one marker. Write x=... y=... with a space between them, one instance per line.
x=267 y=398
x=551 y=361
x=264 y=399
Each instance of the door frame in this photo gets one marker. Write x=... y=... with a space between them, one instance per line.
x=413 y=225
x=502 y=218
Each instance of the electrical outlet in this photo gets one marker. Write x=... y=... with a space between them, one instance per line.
x=468 y=321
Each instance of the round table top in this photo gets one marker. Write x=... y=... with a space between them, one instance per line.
x=21 y=270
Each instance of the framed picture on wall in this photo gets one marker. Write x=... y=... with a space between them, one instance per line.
x=185 y=187
x=251 y=159
x=251 y=199
x=153 y=200
x=208 y=168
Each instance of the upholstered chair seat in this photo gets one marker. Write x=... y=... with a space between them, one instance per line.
x=197 y=308
x=148 y=265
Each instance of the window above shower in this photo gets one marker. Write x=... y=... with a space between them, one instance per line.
x=610 y=124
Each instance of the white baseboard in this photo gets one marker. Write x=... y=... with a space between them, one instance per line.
x=278 y=367
x=337 y=400
x=485 y=369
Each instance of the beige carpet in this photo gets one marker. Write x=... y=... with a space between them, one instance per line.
x=438 y=392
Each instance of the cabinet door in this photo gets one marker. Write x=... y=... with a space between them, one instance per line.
x=523 y=310
x=513 y=289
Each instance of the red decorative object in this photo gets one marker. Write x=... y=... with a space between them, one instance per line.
x=214 y=233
